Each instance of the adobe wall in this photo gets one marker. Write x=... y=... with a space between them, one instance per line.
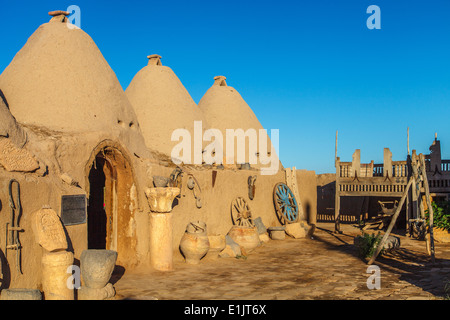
x=35 y=192
x=306 y=182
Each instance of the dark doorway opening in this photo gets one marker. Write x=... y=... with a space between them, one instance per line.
x=112 y=201
x=97 y=215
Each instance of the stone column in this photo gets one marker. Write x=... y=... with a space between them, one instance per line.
x=54 y=275
x=161 y=238
x=50 y=235
x=387 y=163
x=161 y=241
x=356 y=164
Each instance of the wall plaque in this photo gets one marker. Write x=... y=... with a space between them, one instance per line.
x=73 y=209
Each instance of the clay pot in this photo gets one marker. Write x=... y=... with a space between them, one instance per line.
x=160 y=182
x=97 y=267
x=246 y=237
x=217 y=243
x=194 y=244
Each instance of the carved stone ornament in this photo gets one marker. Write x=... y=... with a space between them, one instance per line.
x=49 y=230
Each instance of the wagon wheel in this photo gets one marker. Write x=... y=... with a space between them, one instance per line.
x=241 y=213
x=285 y=204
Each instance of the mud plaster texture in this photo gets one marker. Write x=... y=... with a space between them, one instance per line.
x=67 y=113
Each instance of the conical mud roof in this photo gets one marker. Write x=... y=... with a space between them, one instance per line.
x=224 y=108
x=61 y=81
x=162 y=105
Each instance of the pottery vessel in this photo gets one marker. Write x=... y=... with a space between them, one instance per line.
x=194 y=244
x=160 y=182
x=217 y=243
x=97 y=267
x=246 y=237
x=160 y=199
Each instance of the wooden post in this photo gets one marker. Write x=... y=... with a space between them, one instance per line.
x=336 y=146
x=430 y=208
x=337 y=199
x=407 y=141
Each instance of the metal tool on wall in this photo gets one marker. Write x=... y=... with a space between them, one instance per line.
x=214 y=177
x=175 y=179
x=251 y=187
x=12 y=228
x=192 y=182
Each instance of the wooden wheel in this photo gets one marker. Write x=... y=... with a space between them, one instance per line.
x=285 y=204
x=241 y=213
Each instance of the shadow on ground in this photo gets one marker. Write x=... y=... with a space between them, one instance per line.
x=412 y=265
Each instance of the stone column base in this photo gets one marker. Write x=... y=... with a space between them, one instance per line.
x=86 y=293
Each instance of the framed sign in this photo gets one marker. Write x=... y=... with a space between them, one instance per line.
x=73 y=209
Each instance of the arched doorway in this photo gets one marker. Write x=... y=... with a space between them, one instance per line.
x=110 y=219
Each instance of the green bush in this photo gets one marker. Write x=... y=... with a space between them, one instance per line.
x=441 y=215
x=367 y=244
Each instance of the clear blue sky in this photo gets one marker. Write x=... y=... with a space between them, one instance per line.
x=308 y=68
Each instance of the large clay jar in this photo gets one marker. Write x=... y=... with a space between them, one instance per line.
x=217 y=242
x=97 y=267
x=194 y=244
x=246 y=237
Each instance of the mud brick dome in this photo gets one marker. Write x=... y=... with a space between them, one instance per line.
x=162 y=105
x=224 y=108
x=61 y=81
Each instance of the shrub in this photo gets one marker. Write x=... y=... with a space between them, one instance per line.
x=367 y=244
x=441 y=215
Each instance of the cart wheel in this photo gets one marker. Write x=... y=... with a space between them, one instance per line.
x=241 y=213
x=285 y=204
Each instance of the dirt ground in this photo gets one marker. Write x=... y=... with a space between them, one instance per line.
x=324 y=267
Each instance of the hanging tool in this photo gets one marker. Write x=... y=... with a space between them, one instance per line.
x=12 y=228
x=251 y=187
x=192 y=182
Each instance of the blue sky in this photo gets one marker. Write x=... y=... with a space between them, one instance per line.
x=307 y=68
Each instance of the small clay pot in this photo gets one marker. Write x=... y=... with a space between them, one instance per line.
x=217 y=243
x=160 y=182
x=97 y=267
x=246 y=237
x=194 y=244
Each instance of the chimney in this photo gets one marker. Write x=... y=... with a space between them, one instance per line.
x=58 y=16
x=220 y=81
x=154 y=60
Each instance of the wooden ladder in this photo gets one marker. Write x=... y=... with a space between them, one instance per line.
x=417 y=181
